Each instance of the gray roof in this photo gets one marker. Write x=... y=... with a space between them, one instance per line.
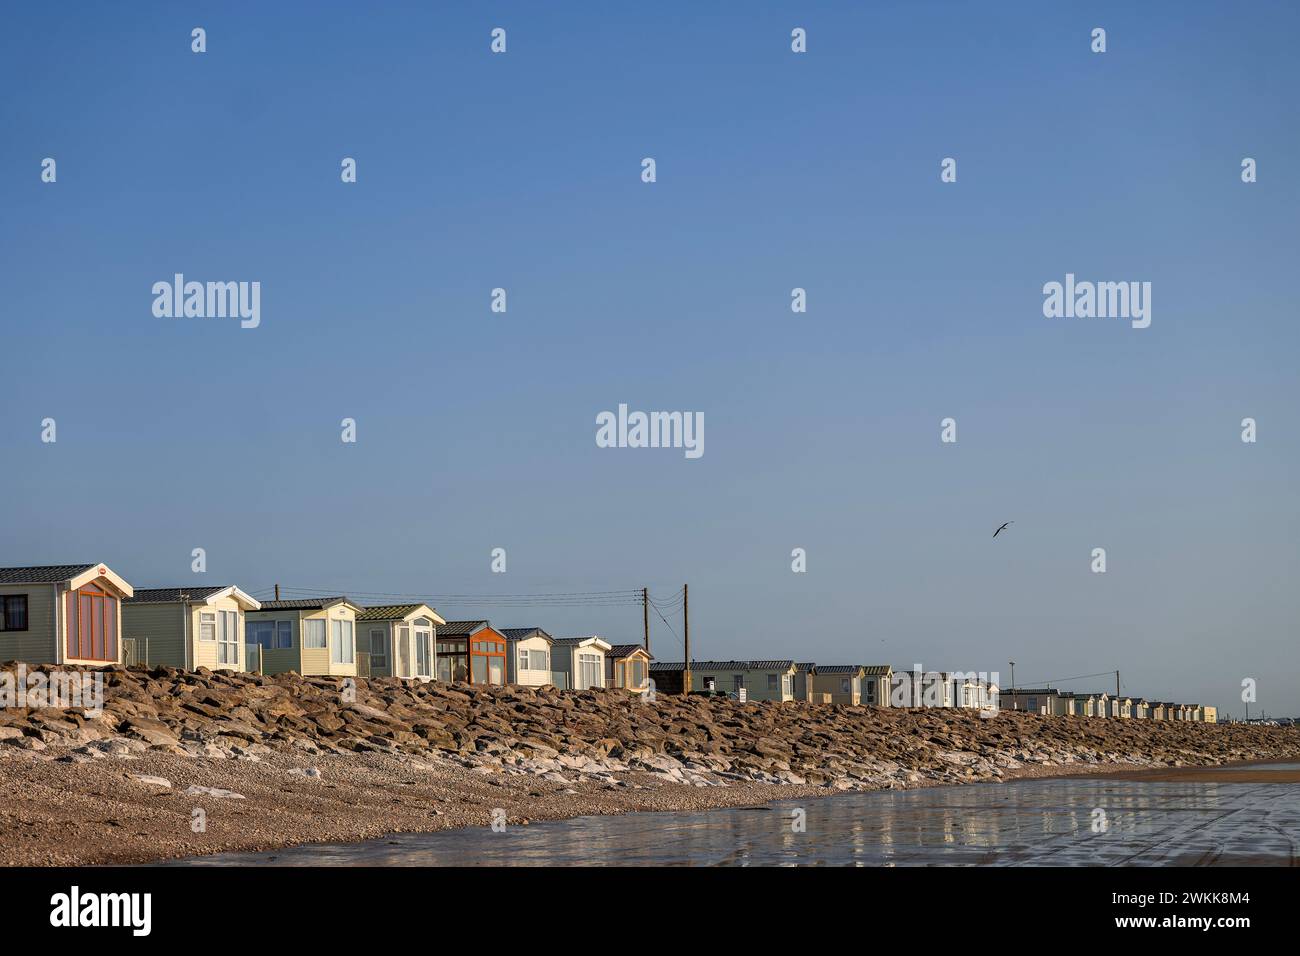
x=1032 y=690
x=44 y=573
x=302 y=604
x=838 y=668
x=520 y=633
x=806 y=667
x=575 y=641
x=623 y=650
x=455 y=628
x=385 y=612
x=171 y=595
x=725 y=666
x=876 y=670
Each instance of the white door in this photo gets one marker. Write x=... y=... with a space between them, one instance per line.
x=404 y=651
x=423 y=645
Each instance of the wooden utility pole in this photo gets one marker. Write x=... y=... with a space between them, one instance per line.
x=686 y=629
x=1117 y=685
x=645 y=616
x=277 y=592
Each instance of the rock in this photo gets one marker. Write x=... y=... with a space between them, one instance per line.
x=194 y=790
x=151 y=780
x=562 y=736
x=328 y=722
x=311 y=772
x=239 y=729
x=154 y=732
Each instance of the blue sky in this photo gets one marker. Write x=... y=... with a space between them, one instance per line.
x=775 y=170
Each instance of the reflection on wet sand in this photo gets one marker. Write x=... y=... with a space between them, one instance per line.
x=1237 y=773
x=1227 y=815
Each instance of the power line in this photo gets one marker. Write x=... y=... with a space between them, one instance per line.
x=1064 y=680
x=622 y=593
x=673 y=600
x=544 y=599
x=670 y=628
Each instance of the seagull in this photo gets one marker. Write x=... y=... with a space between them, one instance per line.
x=1003 y=528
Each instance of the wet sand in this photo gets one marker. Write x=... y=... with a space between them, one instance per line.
x=1253 y=772
x=1103 y=819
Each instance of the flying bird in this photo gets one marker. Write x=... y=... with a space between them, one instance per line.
x=1003 y=528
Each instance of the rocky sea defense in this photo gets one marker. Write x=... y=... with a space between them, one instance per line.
x=597 y=735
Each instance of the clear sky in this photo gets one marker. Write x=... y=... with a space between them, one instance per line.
x=476 y=430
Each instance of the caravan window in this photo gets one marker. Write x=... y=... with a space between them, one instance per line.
x=260 y=632
x=378 y=648
x=14 y=617
x=313 y=635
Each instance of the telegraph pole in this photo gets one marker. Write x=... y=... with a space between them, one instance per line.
x=277 y=592
x=645 y=616
x=1117 y=685
x=686 y=628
